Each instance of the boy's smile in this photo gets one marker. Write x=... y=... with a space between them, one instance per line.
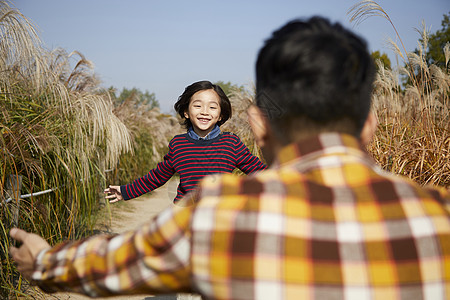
x=204 y=111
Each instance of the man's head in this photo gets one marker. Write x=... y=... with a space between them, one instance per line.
x=311 y=77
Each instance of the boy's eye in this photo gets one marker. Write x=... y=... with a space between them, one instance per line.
x=213 y=107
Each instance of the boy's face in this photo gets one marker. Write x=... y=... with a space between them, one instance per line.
x=204 y=111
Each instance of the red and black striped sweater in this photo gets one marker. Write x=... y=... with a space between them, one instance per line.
x=193 y=160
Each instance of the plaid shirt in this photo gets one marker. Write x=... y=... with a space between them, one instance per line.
x=324 y=223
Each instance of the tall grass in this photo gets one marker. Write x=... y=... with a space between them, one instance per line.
x=57 y=130
x=413 y=136
x=151 y=132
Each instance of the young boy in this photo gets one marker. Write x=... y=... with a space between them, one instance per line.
x=202 y=151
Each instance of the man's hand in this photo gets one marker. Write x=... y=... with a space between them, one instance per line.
x=26 y=254
x=115 y=196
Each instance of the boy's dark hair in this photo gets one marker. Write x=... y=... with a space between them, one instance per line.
x=182 y=105
x=314 y=76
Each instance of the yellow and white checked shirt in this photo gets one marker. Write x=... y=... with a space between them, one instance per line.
x=324 y=223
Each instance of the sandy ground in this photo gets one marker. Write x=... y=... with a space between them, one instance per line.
x=127 y=216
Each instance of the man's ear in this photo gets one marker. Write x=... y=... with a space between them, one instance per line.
x=259 y=125
x=368 y=131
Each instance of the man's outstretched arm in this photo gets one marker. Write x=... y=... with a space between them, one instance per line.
x=151 y=259
x=26 y=254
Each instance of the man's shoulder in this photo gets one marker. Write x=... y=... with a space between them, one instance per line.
x=441 y=194
x=421 y=190
x=409 y=192
x=229 y=183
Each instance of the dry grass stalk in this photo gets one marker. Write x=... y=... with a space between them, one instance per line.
x=413 y=137
x=57 y=129
x=20 y=48
x=369 y=8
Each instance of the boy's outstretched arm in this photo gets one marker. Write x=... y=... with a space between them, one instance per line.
x=26 y=254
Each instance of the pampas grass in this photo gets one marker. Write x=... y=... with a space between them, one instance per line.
x=58 y=132
x=413 y=137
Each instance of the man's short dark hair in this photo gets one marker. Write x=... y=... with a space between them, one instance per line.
x=314 y=75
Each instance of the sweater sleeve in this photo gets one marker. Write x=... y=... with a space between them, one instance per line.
x=245 y=161
x=152 y=180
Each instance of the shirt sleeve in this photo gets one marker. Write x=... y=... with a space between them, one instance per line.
x=152 y=180
x=245 y=161
x=442 y=194
x=151 y=259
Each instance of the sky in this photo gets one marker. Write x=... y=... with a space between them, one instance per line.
x=162 y=46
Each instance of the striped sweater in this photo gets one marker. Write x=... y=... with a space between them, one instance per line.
x=193 y=160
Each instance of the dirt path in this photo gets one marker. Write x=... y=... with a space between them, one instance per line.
x=127 y=216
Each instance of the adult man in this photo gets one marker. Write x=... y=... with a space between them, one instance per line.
x=323 y=222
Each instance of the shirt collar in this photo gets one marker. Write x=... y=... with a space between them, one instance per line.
x=322 y=144
x=211 y=135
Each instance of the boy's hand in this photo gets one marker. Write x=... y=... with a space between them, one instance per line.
x=26 y=254
x=115 y=196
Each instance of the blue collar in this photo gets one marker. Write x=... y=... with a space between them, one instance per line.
x=211 y=135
